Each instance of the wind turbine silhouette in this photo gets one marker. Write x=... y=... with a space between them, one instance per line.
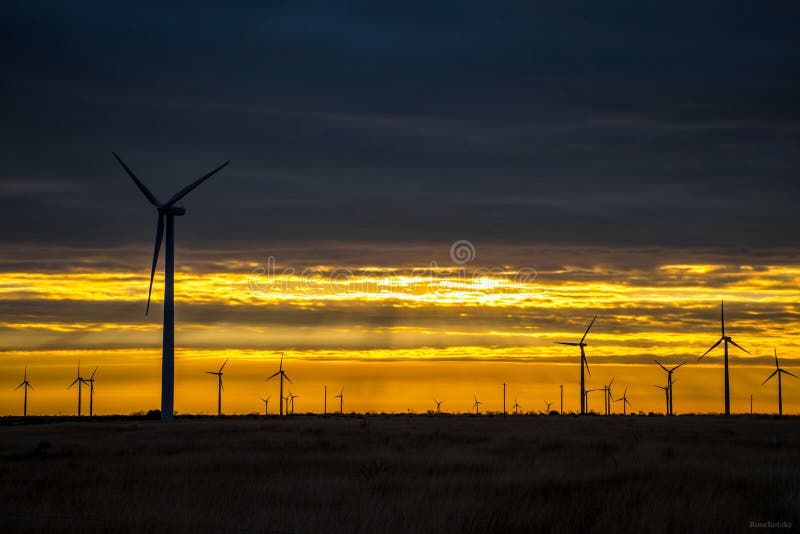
x=340 y=396
x=167 y=211
x=584 y=363
x=292 y=397
x=624 y=399
x=24 y=384
x=80 y=381
x=516 y=407
x=282 y=374
x=266 y=404
x=548 y=407
x=726 y=340
x=90 y=381
x=586 y=396
x=438 y=405
x=778 y=371
x=477 y=404
x=666 y=393
x=669 y=383
x=219 y=386
x=609 y=398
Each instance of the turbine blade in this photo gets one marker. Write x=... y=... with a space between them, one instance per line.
x=287 y=378
x=679 y=365
x=714 y=346
x=73 y=383
x=776 y=358
x=19 y=386
x=273 y=376
x=156 y=250
x=612 y=381
x=659 y=364
x=93 y=372
x=588 y=328
x=770 y=376
x=565 y=343
x=185 y=191
x=221 y=385
x=788 y=373
x=223 y=365
x=587 y=365
x=732 y=342
x=150 y=196
x=209 y=372
x=30 y=386
x=722 y=317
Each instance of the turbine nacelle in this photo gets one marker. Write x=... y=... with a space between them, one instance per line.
x=172 y=210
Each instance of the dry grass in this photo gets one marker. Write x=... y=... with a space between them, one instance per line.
x=401 y=474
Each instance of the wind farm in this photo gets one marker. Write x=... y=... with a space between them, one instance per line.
x=549 y=249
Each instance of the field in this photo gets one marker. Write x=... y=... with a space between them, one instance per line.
x=375 y=474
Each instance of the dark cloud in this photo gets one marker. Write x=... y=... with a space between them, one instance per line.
x=506 y=123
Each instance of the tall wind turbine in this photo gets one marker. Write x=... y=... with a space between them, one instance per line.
x=778 y=371
x=80 y=381
x=281 y=374
x=24 y=384
x=584 y=364
x=438 y=405
x=725 y=339
x=340 y=396
x=266 y=404
x=625 y=402
x=666 y=395
x=477 y=404
x=669 y=383
x=90 y=381
x=219 y=386
x=167 y=211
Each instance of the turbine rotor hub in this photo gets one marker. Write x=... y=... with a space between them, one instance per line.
x=173 y=210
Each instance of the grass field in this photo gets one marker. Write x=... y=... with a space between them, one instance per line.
x=408 y=474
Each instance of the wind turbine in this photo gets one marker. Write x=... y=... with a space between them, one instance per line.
x=548 y=407
x=624 y=399
x=24 y=384
x=669 y=383
x=340 y=396
x=609 y=398
x=167 y=211
x=266 y=404
x=726 y=340
x=438 y=405
x=477 y=404
x=586 y=396
x=516 y=407
x=778 y=371
x=584 y=363
x=219 y=386
x=292 y=397
x=80 y=381
x=282 y=374
x=90 y=381
x=666 y=393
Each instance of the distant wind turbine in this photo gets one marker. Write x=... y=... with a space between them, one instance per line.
x=584 y=364
x=778 y=371
x=24 y=384
x=438 y=405
x=625 y=402
x=80 y=381
x=292 y=397
x=609 y=398
x=586 y=397
x=340 y=396
x=282 y=375
x=548 y=407
x=167 y=211
x=666 y=396
x=477 y=404
x=669 y=383
x=90 y=381
x=725 y=339
x=266 y=404
x=220 y=388
x=516 y=407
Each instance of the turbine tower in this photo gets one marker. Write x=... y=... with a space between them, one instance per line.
x=340 y=396
x=725 y=339
x=778 y=371
x=609 y=398
x=266 y=404
x=80 y=381
x=438 y=405
x=167 y=211
x=669 y=383
x=282 y=375
x=625 y=402
x=219 y=387
x=584 y=364
x=24 y=384
x=90 y=381
x=292 y=397
x=477 y=404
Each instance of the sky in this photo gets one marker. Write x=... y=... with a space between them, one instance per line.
x=636 y=162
